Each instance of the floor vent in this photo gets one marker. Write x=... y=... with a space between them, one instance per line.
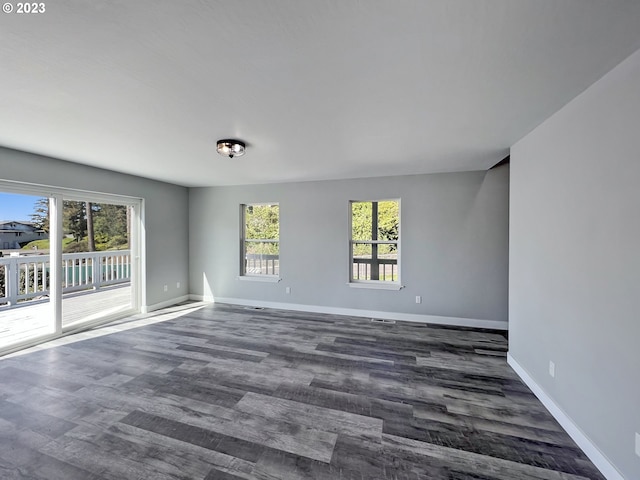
x=383 y=320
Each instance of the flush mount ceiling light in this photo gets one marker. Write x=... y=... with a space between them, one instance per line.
x=230 y=148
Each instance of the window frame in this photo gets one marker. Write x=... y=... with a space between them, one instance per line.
x=258 y=277
x=375 y=284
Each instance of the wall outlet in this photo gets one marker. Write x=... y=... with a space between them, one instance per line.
x=166 y=288
x=418 y=299
x=638 y=444
x=177 y=284
x=552 y=369
x=287 y=290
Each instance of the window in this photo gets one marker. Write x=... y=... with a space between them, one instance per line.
x=375 y=242
x=260 y=254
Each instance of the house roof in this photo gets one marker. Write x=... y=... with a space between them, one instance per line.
x=30 y=224
x=317 y=89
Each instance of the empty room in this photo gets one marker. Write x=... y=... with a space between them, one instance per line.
x=334 y=239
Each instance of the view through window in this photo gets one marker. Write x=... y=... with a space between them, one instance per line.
x=260 y=240
x=375 y=237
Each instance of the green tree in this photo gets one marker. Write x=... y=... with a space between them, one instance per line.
x=91 y=238
x=262 y=222
x=40 y=215
x=362 y=225
x=388 y=221
x=94 y=226
x=111 y=225
x=74 y=219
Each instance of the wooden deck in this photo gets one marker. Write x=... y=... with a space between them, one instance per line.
x=34 y=319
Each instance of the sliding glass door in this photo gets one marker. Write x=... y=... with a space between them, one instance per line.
x=96 y=261
x=25 y=269
x=67 y=260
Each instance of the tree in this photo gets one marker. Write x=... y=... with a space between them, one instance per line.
x=388 y=221
x=111 y=224
x=105 y=226
x=262 y=223
x=40 y=215
x=74 y=219
x=91 y=239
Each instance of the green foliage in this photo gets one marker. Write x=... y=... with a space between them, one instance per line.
x=361 y=221
x=110 y=221
x=262 y=222
x=119 y=242
x=388 y=220
x=44 y=244
x=76 y=247
x=34 y=279
x=362 y=227
x=110 y=225
x=40 y=215
x=74 y=219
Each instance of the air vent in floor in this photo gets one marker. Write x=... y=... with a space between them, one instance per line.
x=383 y=320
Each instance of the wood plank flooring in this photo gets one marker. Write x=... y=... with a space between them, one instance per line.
x=224 y=392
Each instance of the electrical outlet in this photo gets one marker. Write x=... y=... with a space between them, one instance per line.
x=177 y=284
x=287 y=290
x=166 y=288
x=638 y=444
x=552 y=369
x=418 y=299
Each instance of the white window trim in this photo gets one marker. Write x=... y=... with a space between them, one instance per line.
x=252 y=277
x=260 y=278
x=375 y=284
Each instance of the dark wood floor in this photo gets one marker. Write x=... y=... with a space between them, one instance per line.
x=226 y=393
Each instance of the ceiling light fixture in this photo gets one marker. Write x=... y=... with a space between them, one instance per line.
x=231 y=148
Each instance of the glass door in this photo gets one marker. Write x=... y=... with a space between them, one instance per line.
x=98 y=261
x=26 y=311
x=68 y=260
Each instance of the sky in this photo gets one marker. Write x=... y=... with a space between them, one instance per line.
x=16 y=207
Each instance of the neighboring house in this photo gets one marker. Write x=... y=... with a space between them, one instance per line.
x=15 y=233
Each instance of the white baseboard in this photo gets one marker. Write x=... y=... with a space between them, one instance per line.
x=201 y=298
x=165 y=304
x=356 y=312
x=601 y=462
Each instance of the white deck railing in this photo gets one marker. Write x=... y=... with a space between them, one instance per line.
x=259 y=264
x=366 y=268
x=28 y=277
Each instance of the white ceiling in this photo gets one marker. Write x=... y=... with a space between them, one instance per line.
x=319 y=89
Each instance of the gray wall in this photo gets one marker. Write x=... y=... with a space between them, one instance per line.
x=575 y=264
x=166 y=212
x=454 y=243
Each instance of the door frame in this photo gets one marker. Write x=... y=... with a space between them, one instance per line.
x=137 y=244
